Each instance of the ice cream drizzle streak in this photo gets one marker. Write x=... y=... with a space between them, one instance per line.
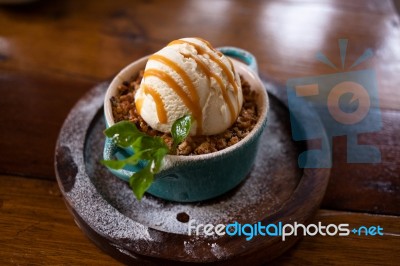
x=191 y=101
x=201 y=51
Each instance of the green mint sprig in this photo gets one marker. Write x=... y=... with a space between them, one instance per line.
x=151 y=149
x=180 y=130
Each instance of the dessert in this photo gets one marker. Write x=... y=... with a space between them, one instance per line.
x=189 y=76
x=124 y=108
x=186 y=99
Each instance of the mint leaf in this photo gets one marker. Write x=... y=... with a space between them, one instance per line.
x=114 y=164
x=119 y=164
x=123 y=133
x=158 y=157
x=180 y=129
x=151 y=149
x=141 y=181
x=148 y=143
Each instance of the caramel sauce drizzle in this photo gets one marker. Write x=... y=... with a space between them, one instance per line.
x=186 y=79
x=139 y=104
x=210 y=75
x=161 y=113
x=193 y=106
x=233 y=70
x=228 y=73
x=191 y=101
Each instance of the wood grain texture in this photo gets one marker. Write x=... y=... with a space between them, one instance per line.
x=37 y=229
x=372 y=188
x=33 y=108
x=51 y=53
x=95 y=40
x=349 y=250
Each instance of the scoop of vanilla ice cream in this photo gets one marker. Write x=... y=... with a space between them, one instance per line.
x=189 y=76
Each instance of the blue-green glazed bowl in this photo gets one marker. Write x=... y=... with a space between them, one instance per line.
x=198 y=177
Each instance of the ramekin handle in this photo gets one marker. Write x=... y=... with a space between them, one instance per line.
x=243 y=55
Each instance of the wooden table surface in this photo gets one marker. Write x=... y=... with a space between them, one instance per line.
x=52 y=52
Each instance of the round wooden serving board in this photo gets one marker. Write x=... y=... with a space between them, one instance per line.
x=154 y=231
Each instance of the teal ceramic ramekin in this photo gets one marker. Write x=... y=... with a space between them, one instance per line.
x=197 y=177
